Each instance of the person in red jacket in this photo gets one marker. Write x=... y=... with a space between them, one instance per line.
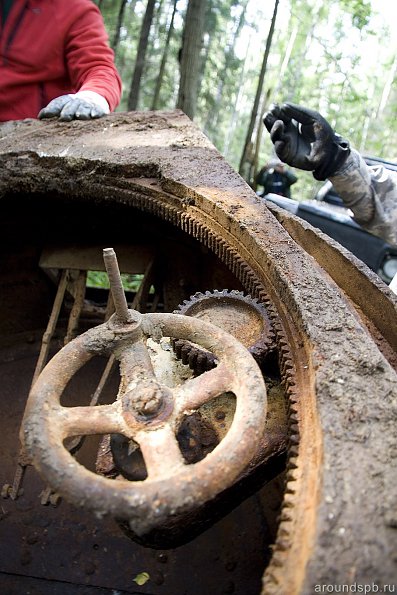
x=55 y=61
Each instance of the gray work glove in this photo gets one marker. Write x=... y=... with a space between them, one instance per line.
x=83 y=105
x=304 y=139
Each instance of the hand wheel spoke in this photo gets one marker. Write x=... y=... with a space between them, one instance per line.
x=84 y=421
x=135 y=364
x=160 y=452
x=197 y=391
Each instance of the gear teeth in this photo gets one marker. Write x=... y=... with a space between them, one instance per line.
x=177 y=346
x=294 y=439
x=292 y=464
x=221 y=250
x=283 y=531
x=278 y=560
x=289 y=489
x=285 y=516
x=283 y=544
x=278 y=340
x=259 y=349
x=289 y=499
x=185 y=354
x=201 y=363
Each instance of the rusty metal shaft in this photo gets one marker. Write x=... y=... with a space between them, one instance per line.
x=116 y=286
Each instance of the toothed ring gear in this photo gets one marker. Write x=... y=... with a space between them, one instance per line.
x=240 y=315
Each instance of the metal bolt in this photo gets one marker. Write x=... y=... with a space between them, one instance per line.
x=151 y=406
x=148 y=402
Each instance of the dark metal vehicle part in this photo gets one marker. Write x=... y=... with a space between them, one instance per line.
x=328 y=213
x=327 y=517
x=377 y=254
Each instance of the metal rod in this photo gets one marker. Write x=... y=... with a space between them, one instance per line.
x=45 y=344
x=116 y=286
x=109 y=307
x=143 y=289
x=74 y=317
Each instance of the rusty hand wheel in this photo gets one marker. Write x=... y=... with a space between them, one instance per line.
x=149 y=413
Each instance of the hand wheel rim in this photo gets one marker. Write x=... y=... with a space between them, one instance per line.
x=149 y=503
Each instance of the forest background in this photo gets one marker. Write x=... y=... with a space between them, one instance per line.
x=224 y=62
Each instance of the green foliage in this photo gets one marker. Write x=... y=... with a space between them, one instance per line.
x=333 y=56
x=97 y=279
x=141 y=578
x=100 y=279
x=360 y=11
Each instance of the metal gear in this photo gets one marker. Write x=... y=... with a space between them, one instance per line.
x=241 y=315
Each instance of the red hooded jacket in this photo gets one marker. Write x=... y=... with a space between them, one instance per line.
x=49 y=48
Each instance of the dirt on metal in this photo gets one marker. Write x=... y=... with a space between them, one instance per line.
x=334 y=322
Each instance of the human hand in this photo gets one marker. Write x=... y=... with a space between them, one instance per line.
x=83 y=105
x=304 y=139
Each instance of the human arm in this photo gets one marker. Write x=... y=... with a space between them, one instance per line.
x=291 y=177
x=261 y=176
x=84 y=105
x=90 y=65
x=371 y=194
x=304 y=139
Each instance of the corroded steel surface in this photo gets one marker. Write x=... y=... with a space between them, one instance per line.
x=335 y=327
x=239 y=314
x=150 y=414
x=64 y=551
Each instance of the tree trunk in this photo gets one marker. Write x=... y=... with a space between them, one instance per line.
x=140 y=58
x=235 y=111
x=259 y=130
x=120 y=18
x=285 y=62
x=247 y=151
x=190 y=56
x=213 y=118
x=266 y=101
x=209 y=28
x=387 y=88
x=159 y=81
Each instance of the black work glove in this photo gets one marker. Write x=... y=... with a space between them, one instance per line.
x=304 y=139
x=80 y=106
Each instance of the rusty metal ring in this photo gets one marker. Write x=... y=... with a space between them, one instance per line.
x=172 y=486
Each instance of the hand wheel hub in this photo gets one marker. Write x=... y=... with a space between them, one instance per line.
x=146 y=401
